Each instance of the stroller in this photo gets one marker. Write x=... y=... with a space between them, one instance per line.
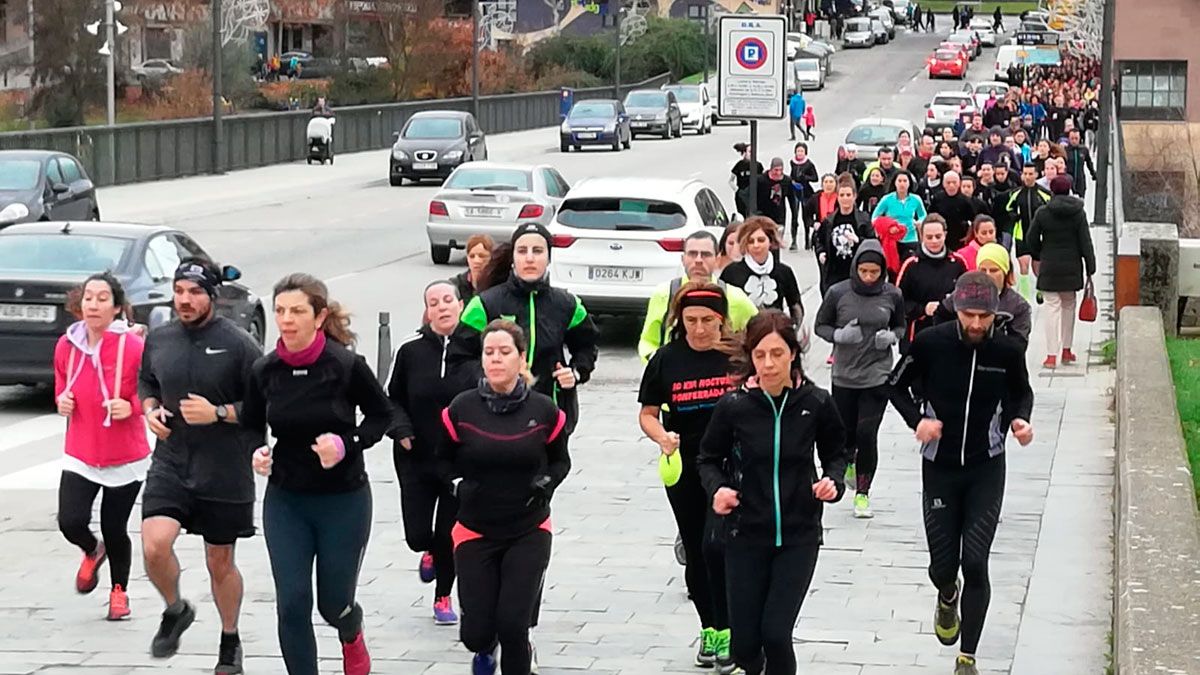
x=319 y=139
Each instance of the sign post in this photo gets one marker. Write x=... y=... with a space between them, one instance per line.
x=751 y=78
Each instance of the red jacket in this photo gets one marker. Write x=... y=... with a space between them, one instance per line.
x=92 y=437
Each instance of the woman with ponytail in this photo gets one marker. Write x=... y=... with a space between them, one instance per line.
x=317 y=507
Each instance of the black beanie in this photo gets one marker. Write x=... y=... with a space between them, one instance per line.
x=532 y=228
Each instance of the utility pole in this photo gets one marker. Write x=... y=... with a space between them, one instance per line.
x=110 y=37
x=218 y=102
x=475 y=47
x=1107 y=115
x=704 y=16
x=616 y=4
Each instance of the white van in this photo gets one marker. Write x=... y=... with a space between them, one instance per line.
x=1006 y=55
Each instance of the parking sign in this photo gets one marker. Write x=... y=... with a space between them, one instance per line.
x=750 y=75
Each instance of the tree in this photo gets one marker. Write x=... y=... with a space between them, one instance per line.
x=68 y=72
x=427 y=53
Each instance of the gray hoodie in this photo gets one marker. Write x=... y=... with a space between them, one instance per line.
x=860 y=359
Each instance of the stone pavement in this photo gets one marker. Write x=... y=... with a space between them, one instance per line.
x=615 y=603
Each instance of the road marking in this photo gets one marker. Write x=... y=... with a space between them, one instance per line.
x=30 y=430
x=44 y=476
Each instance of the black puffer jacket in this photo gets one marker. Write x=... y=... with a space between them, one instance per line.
x=421 y=384
x=1059 y=238
x=924 y=279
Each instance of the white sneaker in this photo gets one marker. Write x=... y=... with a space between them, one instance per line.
x=533 y=664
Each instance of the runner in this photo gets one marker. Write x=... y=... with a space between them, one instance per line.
x=739 y=179
x=195 y=373
x=699 y=263
x=906 y=208
x=769 y=283
x=803 y=174
x=863 y=317
x=983 y=231
x=504 y=487
x=1023 y=205
x=954 y=207
x=1079 y=157
x=756 y=463
x=1013 y=315
x=852 y=165
x=728 y=251
x=839 y=235
x=818 y=208
x=420 y=386
x=317 y=507
x=873 y=190
x=926 y=278
x=774 y=194
x=106 y=449
x=975 y=388
x=470 y=281
x=687 y=377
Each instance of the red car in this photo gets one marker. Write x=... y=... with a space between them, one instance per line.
x=955 y=46
x=948 y=63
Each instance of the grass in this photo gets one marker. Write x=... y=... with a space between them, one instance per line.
x=1108 y=352
x=697 y=78
x=1185 y=365
x=1009 y=7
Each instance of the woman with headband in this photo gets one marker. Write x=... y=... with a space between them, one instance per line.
x=687 y=376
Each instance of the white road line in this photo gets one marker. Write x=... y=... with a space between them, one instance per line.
x=44 y=476
x=30 y=430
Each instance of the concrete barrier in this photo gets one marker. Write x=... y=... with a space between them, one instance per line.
x=1148 y=269
x=1156 y=622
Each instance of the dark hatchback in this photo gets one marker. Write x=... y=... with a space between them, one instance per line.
x=601 y=122
x=44 y=185
x=41 y=262
x=434 y=143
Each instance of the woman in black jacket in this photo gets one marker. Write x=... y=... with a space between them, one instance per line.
x=471 y=281
x=928 y=277
x=420 y=386
x=317 y=507
x=873 y=189
x=756 y=462
x=818 y=207
x=803 y=174
x=1060 y=240
x=506 y=445
x=839 y=235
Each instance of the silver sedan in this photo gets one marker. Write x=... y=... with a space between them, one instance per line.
x=491 y=198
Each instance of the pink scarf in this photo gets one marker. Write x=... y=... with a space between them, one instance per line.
x=304 y=357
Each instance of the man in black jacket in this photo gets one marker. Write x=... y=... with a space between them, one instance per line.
x=975 y=388
x=774 y=193
x=1079 y=157
x=952 y=205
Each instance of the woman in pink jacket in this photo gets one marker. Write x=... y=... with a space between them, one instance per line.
x=95 y=386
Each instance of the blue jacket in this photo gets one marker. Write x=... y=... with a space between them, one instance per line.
x=797 y=106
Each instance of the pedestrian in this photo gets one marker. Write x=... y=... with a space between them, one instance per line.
x=1078 y=157
x=769 y=283
x=954 y=207
x=479 y=250
x=983 y=232
x=810 y=123
x=803 y=174
x=928 y=277
x=906 y=208
x=1061 y=243
x=682 y=384
x=105 y=449
x=756 y=463
x=796 y=107
x=506 y=471
x=739 y=178
x=194 y=376
x=873 y=190
x=819 y=207
x=317 y=506
x=863 y=318
x=998 y=20
x=930 y=21
x=774 y=193
x=975 y=379
x=956 y=17
x=1023 y=204
x=420 y=386
x=839 y=235
x=1013 y=316
x=728 y=251
x=851 y=164
x=699 y=266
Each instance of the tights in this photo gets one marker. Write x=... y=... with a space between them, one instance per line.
x=75 y=497
x=862 y=410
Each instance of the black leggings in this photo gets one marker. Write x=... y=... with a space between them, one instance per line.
x=76 y=495
x=333 y=530
x=704 y=573
x=499 y=584
x=962 y=510
x=862 y=410
x=428 y=508
x=767 y=585
x=794 y=207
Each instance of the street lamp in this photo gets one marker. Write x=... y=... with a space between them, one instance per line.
x=112 y=28
x=700 y=13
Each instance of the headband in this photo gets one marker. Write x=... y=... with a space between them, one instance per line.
x=714 y=300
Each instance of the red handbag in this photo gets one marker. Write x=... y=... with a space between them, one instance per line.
x=1088 y=308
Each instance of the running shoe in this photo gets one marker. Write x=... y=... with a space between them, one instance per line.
x=355 y=659
x=1051 y=362
x=1068 y=356
x=484 y=664
x=965 y=665
x=533 y=664
x=862 y=506
x=88 y=575
x=118 y=603
x=1040 y=298
x=851 y=475
x=443 y=612
x=170 y=629
x=724 y=663
x=794 y=246
x=229 y=658
x=706 y=656
x=426 y=570
x=945 y=618
x=680 y=551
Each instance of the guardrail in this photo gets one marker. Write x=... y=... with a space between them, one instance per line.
x=171 y=149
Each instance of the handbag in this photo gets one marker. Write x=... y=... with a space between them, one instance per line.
x=1087 y=307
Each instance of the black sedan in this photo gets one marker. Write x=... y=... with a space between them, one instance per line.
x=44 y=185
x=434 y=143
x=40 y=263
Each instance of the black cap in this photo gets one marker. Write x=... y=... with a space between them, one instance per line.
x=531 y=228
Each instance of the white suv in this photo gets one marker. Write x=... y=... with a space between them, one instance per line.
x=616 y=239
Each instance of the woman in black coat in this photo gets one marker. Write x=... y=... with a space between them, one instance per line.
x=1059 y=240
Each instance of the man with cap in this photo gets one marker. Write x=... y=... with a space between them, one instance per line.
x=774 y=190
x=996 y=153
x=852 y=165
x=194 y=375
x=975 y=389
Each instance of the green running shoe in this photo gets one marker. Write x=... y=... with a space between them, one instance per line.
x=945 y=618
x=725 y=664
x=965 y=665
x=851 y=477
x=707 y=655
x=862 y=506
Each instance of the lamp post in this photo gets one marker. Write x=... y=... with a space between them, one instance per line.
x=475 y=47
x=218 y=102
x=112 y=28
x=699 y=12
x=616 y=4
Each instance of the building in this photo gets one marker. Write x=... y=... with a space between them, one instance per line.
x=16 y=47
x=1157 y=66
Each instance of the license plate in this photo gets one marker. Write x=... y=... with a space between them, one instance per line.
x=633 y=274
x=586 y=135
x=29 y=313
x=641 y=125
x=425 y=166
x=482 y=212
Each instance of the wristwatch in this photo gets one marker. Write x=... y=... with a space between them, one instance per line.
x=222 y=413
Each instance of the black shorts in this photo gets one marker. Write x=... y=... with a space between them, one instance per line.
x=219 y=523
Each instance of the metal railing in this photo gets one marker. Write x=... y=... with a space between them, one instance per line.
x=149 y=151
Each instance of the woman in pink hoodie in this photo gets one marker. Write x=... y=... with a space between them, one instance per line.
x=95 y=385
x=983 y=231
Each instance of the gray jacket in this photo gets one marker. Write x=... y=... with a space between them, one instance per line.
x=861 y=363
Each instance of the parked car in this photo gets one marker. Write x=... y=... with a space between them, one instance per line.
x=285 y=62
x=40 y=263
x=155 y=70
x=986 y=30
x=695 y=105
x=858 y=33
x=980 y=91
x=885 y=17
x=967 y=40
x=616 y=239
x=596 y=122
x=44 y=185
x=491 y=198
x=653 y=111
x=948 y=63
x=872 y=133
x=433 y=143
x=945 y=107
x=808 y=74
x=880 y=31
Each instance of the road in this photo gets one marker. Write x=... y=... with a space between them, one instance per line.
x=614 y=602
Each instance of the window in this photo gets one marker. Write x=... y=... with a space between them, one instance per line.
x=706 y=211
x=717 y=208
x=553 y=187
x=156 y=43
x=53 y=174
x=19 y=174
x=70 y=170
x=621 y=214
x=469 y=178
x=1153 y=90
x=162 y=258
x=61 y=254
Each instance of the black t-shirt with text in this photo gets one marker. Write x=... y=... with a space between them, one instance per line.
x=689 y=383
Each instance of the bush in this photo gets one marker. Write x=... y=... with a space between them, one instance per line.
x=560 y=76
x=592 y=55
x=675 y=45
x=501 y=73
x=373 y=85
x=276 y=95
